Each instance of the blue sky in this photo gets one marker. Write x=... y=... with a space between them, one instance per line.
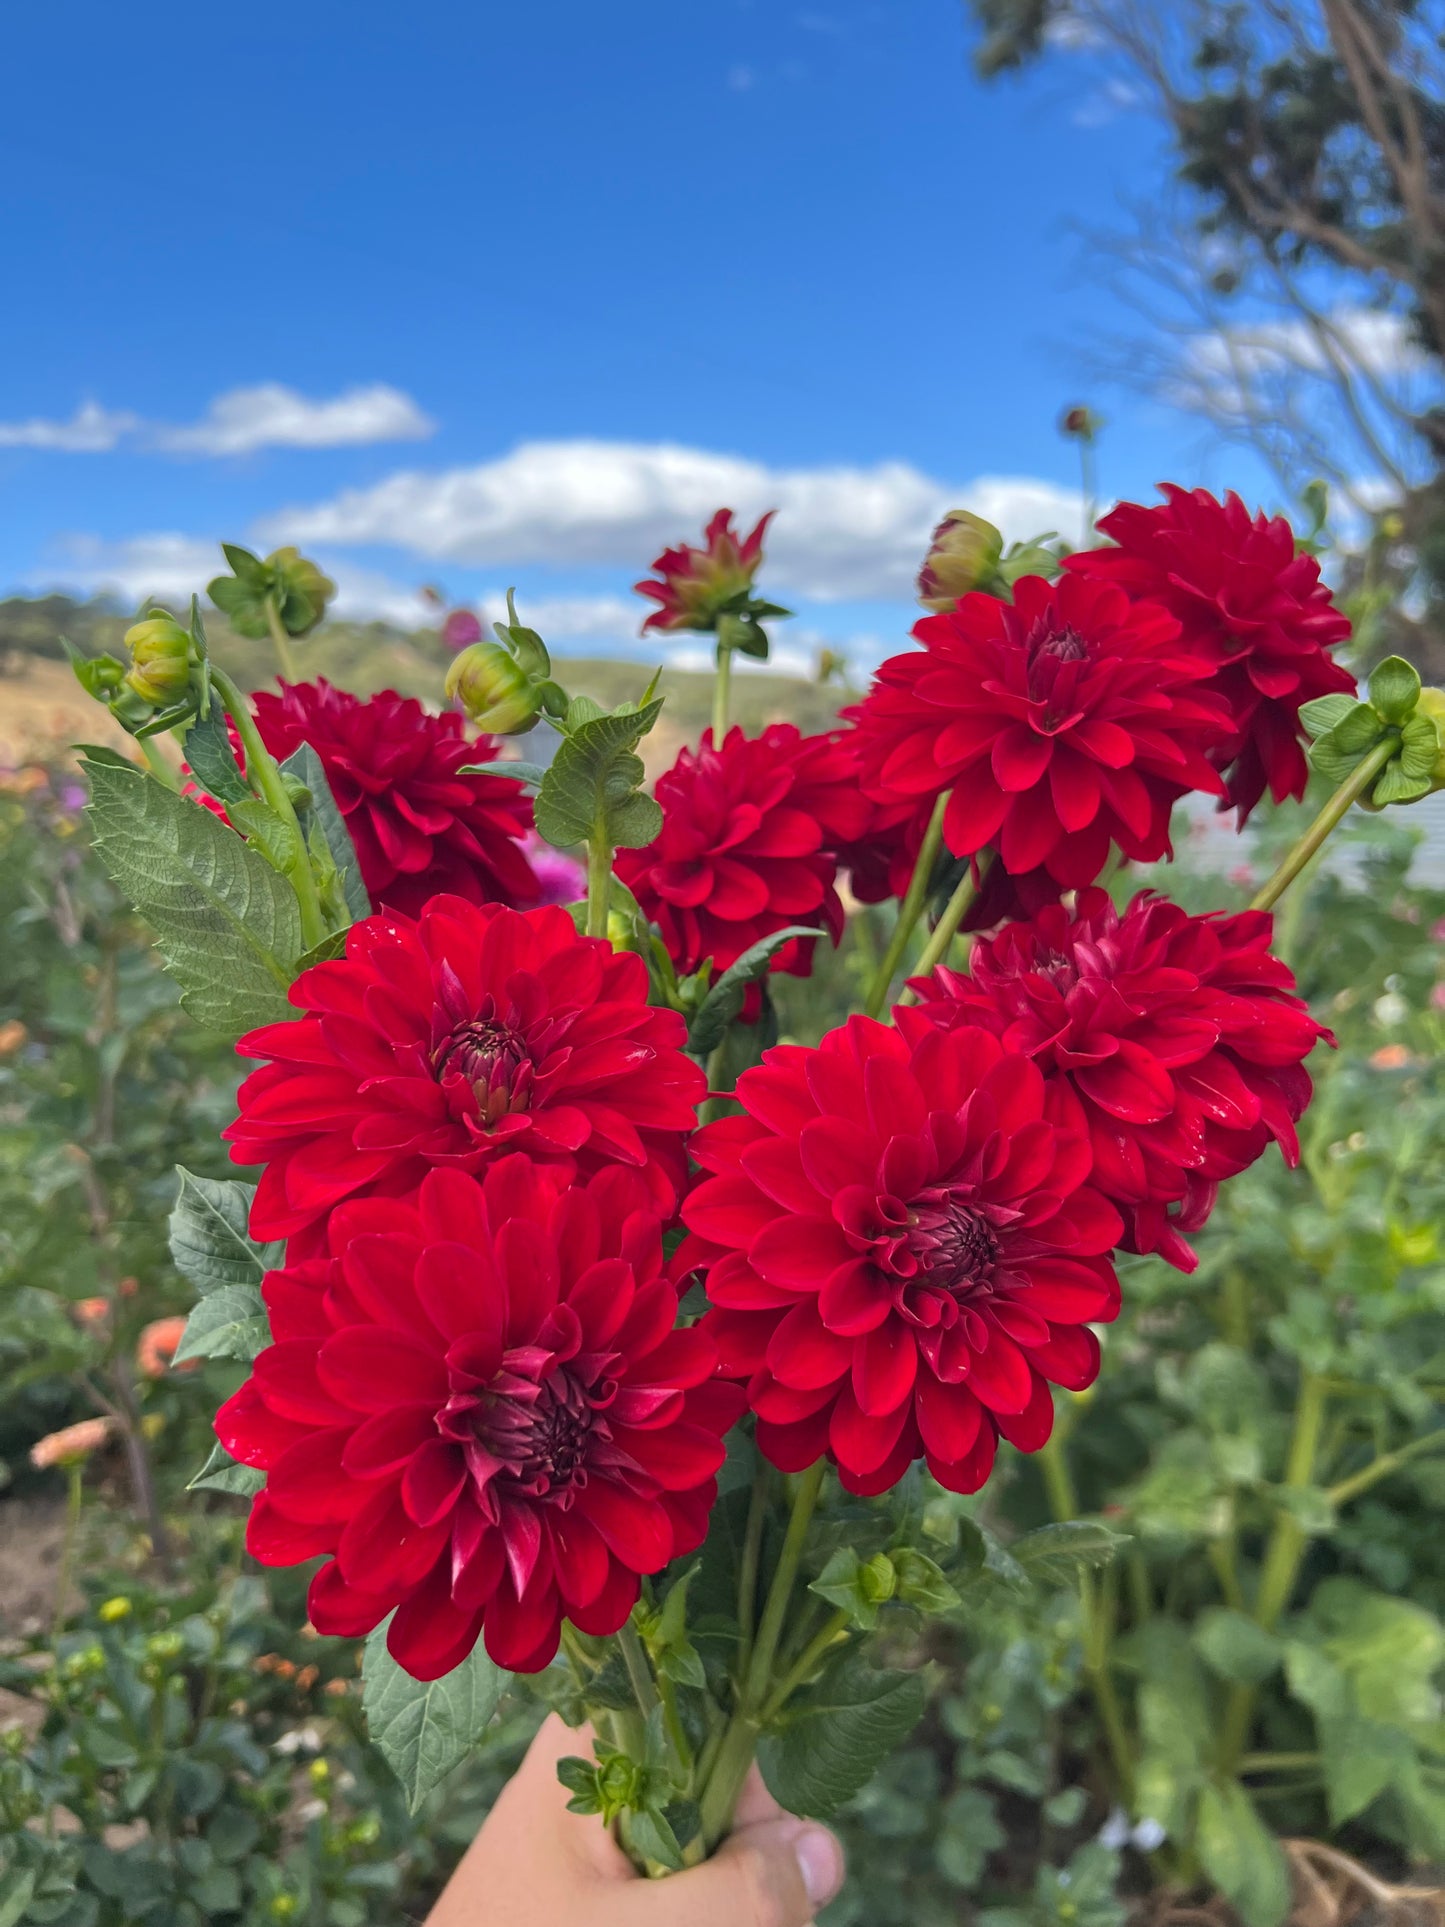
x=485 y=294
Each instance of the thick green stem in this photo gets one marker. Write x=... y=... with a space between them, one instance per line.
x=807 y=1663
x=770 y=1629
x=1282 y=1557
x=1382 y=1467
x=722 y=694
x=157 y=764
x=958 y=907
x=285 y=655
x=909 y=911
x=724 y=1783
x=1058 y=1480
x=639 y=1673
x=599 y=882
x=748 y=1567
x=1338 y=807
x=262 y=771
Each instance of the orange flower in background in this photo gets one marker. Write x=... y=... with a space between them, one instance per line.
x=70 y=1444
x=13 y=1035
x=1390 y=1057
x=91 y=1313
x=157 y=1345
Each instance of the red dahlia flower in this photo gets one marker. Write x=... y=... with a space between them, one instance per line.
x=419 y=827
x=1063 y=722
x=1179 y=1036
x=479 y=1404
x=474 y=1031
x=1257 y=611
x=902 y=1251
x=697 y=583
x=747 y=845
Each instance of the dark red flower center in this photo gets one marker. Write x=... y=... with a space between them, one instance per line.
x=491 y=1057
x=1049 y=650
x=531 y=1436
x=955 y=1245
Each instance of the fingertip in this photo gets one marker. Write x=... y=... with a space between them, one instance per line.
x=819 y=1854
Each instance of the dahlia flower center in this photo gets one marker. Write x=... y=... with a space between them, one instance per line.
x=492 y=1058
x=1048 y=649
x=956 y=1246
x=529 y=1437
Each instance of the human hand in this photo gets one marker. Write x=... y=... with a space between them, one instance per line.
x=534 y=1864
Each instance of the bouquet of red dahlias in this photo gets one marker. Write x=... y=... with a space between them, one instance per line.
x=596 y=1338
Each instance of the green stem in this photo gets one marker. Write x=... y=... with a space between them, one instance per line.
x=74 y=1496
x=1234 y=1308
x=748 y=1567
x=1283 y=1555
x=639 y=1673
x=806 y=1664
x=1058 y=1480
x=958 y=907
x=722 y=694
x=805 y=1500
x=724 y=1783
x=910 y=910
x=1277 y=1762
x=599 y=882
x=285 y=655
x=676 y=1732
x=1382 y=1467
x=157 y=764
x=1335 y=810
x=262 y=771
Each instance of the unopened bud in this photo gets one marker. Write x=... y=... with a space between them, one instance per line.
x=160 y=655
x=1432 y=704
x=493 y=689
x=1080 y=422
x=878 y=1579
x=964 y=554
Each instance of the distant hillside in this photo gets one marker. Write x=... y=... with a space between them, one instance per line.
x=40 y=702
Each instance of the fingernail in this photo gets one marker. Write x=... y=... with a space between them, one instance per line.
x=820 y=1861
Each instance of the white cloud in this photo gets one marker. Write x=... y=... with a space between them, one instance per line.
x=841 y=533
x=274 y=416
x=91 y=430
x=1229 y=359
x=239 y=422
x=599 y=618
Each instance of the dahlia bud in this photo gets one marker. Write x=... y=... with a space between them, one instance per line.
x=286 y=583
x=964 y=554
x=494 y=689
x=1431 y=703
x=160 y=655
x=1082 y=423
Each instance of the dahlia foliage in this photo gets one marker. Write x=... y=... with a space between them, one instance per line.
x=569 y=1359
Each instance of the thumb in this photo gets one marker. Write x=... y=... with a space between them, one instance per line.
x=774 y=1873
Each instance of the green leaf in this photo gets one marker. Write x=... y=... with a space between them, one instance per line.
x=322 y=814
x=17 y=1888
x=209 y=1241
x=1394 y=689
x=268 y=831
x=1236 y=1648
x=969 y=1831
x=1309 y=1506
x=1395 y=785
x=426 y=1727
x=594 y=781
x=221 y=1473
x=1419 y=745
x=532 y=773
x=249 y=567
x=213 y=761
x=840 y=1583
x=1321 y=715
x=837 y=1735
x=723 y=1002
x=229 y=1322
x=653 y=1836
x=1241 y=1856
x=1056 y=1555
x=921 y=1582
x=227 y=925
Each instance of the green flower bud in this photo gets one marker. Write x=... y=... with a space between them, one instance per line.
x=114 y=1609
x=160 y=655
x=302 y=591
x=964 y=554
x=1432 y=704
x=286 y=581
x=493 y=689
x=878 y=1581
x=165 y=1646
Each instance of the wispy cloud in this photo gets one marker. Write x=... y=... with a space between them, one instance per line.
x=240 y=422
x=841 y=533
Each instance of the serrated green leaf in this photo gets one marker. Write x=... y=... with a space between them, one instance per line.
x=1241 y=1856
x=523 y=772
x=213 y=761
x=327 y=951
x=838 y=1734
x=723 y=1002
x=322 y=814
x=227 y=925
x=209 y=1241
x=221 y=1473
x=1394 y=689
x=229 y=1322
x=1055 y=1555
x=593 y=778
x=424 y=1728
x=268 y=831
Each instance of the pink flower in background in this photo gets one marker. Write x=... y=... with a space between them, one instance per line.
x=562 y=878
x=461 y=629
